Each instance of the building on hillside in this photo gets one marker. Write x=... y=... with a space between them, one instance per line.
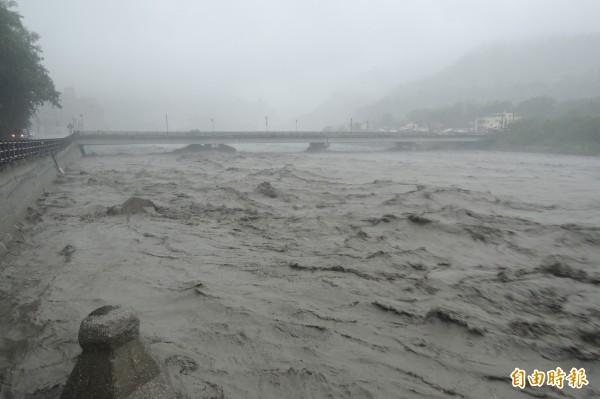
x=499 y=121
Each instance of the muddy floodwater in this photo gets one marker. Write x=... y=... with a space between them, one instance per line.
x=315 y=275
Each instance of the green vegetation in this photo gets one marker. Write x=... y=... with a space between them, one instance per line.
x=562 y=68
x=462 y=114
x=548 y=125
x=565 y=135
x=24 y=82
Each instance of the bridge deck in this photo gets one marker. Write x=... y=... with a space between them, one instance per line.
x=237 y=137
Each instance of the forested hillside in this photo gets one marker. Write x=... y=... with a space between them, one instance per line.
x=561 y=68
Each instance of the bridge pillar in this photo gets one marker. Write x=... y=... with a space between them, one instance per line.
x=314 y=147
x=83 y=154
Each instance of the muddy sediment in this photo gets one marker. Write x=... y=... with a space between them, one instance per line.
x=265 y=275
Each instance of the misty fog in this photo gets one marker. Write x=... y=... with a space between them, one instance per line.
x=237 y=61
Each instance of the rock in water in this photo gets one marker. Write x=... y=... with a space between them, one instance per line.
x=266 y=189
x=133 y=205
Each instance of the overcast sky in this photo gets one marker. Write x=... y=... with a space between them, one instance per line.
x=290 y=54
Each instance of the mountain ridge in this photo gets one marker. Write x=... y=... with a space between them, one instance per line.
x=562 y=67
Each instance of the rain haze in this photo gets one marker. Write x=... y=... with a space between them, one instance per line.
x=234 y=61
x=299 y=199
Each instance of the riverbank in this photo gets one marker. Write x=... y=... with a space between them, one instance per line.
x=504 y=145
x=23 y=181
x=564 y=135
x=571 y=135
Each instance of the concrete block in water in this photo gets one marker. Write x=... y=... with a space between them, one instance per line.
x=114 y=363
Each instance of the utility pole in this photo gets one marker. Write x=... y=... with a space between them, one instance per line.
x=213 y=124
x=296 y=125
x=267 y=123
x=367 y=126
x=350 y=125
x=167 y=123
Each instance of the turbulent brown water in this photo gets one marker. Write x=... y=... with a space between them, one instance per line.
x=294 y=275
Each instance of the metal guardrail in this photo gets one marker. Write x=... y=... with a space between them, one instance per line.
x=11 y=151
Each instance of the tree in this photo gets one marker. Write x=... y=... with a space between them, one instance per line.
x=24 y=81
x=537 y=107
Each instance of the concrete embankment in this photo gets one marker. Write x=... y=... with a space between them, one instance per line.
x=24 y=181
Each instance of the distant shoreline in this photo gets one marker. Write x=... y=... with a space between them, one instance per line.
x=502 y=148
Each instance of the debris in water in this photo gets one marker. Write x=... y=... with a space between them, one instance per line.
x=67 y=252
x=416 y=219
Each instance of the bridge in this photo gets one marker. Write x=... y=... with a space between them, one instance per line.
x=13 y=150
x=238 y=137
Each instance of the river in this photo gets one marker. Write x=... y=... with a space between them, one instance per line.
x=285 y=274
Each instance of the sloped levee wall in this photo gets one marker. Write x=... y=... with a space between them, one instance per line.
x=23 y=182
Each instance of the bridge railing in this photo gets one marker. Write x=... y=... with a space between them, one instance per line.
x=13 y=150
x=231 y=133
